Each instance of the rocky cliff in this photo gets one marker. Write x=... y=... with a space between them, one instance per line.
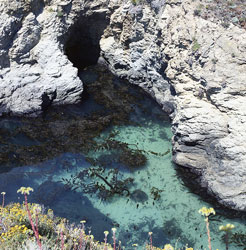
x=194 y=68
x=199 y=67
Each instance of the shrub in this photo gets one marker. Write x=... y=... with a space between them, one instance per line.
x=196 y=46
x=23 y=225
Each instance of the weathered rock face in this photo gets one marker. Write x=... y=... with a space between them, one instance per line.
x=209 y=79
x=132 y=47
x=194 y=68
x=34 y=70
x=204 y=81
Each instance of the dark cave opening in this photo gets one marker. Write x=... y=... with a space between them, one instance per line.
x=82 y=46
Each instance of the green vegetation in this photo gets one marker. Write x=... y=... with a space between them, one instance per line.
x=31 y=226
x=59 y=13
x=197 y=12
x=224 y=12
x=135 y=2
x=196 y=46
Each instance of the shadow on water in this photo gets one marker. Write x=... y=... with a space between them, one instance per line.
x=63 y=201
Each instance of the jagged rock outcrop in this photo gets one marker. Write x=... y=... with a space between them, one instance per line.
x=209 y=76
x=194 y=68
x=131 y=46
x=34 y=70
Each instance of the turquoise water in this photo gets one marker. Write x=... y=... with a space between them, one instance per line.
x=108 y=161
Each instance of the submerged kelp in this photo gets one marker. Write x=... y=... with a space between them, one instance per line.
x=30 y=141
x=106 y=183
x=238 y=238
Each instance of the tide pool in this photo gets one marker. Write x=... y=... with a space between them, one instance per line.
x=108 y=161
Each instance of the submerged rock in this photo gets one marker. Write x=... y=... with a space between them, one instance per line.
x=139 y=196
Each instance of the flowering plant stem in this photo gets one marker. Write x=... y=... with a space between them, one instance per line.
x=150 y=239
x=62 y=241
x=81 y=240
x=114 y=240
x=37 y=222
x=119 y=246
x=32 y=224
x=227 y=240
x=208 y=232
x=2 y=208
x=105 y=243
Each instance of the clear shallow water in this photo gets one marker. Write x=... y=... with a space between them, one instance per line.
x=66 y=178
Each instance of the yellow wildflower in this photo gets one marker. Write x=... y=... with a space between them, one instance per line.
x=60 y=227
x=3 y=193
x=25 y=190
x=113 y=229
x=36 y=209
x=206 y=211
x=228 y=227
x=190 y=248
x=168 y=247
x=106 y=233
x=134 y=245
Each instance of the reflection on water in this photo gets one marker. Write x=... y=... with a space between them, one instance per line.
x=106 y=161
